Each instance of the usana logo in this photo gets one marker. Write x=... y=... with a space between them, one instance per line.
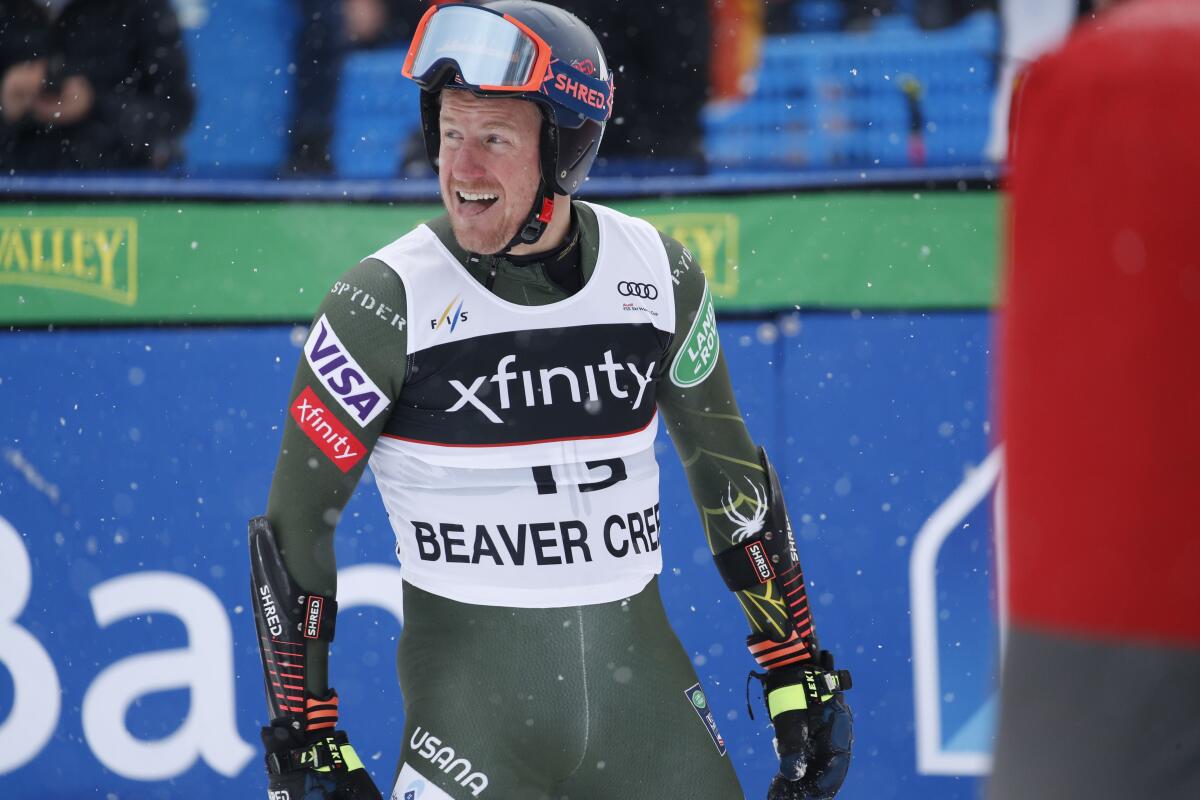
x=443 y=757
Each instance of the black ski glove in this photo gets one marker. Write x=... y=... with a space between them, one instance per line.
x=314 y=764
x=814 y=729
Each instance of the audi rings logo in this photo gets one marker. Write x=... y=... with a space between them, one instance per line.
x=646 y=291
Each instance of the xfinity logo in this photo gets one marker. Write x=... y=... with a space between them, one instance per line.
x=444 y=758
x=565 y=379
x=324 y=430
x=341 y=374
x=646 y=291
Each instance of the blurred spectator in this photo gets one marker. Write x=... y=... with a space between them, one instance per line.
x=659 y=52
x=91 y=84
x=328 y=29
x=928 y=14
x=738 y=29
x=1031 y=28
x=780 y=15
x=933 y=14
x=320 y=48
x=381 y=23
x=862 y=13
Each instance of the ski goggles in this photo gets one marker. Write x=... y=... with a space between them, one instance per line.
x=494 y=53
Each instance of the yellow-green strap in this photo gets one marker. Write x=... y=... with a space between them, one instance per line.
x=787 y=698
x=351 y=758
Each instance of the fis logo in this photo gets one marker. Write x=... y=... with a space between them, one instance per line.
x=448 y=317
x=758 y=559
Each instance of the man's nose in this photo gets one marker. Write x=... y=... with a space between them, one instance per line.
x=469 y=160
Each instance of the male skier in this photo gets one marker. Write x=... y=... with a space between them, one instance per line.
x=506 y=385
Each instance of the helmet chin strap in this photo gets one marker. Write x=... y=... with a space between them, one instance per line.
x=531 y=231
x=539 y=217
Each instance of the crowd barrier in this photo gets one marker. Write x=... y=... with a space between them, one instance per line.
x=143 y=383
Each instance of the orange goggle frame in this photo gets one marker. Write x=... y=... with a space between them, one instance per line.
x=494 y=52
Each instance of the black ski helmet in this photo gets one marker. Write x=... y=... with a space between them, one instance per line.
x=569 y=139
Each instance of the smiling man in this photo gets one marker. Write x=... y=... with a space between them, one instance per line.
x=487 y=180
x=506 y=379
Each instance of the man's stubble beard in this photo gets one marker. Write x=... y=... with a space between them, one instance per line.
x=473 y=240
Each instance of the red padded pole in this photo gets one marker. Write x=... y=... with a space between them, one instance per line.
x=1100 y=386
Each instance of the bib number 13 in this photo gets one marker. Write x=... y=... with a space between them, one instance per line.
x=543 y=476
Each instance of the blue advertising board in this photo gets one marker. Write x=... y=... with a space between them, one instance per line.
x=133 y=457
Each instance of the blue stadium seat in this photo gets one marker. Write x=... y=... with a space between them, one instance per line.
x=836 y=99
x=816 y=16
x=239 y=61
x=377 y=113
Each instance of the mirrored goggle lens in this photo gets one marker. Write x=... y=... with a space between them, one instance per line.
x=488 y=49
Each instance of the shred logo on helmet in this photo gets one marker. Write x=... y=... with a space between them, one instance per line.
x=528 y=50
x=594 y=98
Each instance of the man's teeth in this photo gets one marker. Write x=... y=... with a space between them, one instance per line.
x=478 y=195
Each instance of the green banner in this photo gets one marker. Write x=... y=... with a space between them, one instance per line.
x=172 y=262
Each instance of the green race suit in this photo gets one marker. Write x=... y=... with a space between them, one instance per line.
x=587 y=699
